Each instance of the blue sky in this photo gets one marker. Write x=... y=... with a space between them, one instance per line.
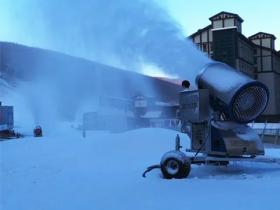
x=258 y=15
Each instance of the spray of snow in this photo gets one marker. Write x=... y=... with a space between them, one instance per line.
x=123 y=33
x=135 y=35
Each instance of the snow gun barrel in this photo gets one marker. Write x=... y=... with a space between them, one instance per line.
x=239 y=97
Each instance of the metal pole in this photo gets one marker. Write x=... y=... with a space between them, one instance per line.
x=277 y=135
x=264 y=128
x=177 y=143
x=84 y=133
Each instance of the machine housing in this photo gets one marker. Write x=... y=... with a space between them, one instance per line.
x=213 y=136
x=6 y=117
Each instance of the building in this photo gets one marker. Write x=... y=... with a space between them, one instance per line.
x=255 y=56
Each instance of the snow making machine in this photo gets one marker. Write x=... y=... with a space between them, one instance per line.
x=215 y=117
x=7 y=122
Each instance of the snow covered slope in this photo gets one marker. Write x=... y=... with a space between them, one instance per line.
x=23 y=63
x=103 y=171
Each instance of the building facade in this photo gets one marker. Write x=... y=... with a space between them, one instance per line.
x=255 y=56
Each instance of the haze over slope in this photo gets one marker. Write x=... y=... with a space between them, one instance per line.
x=137 y=35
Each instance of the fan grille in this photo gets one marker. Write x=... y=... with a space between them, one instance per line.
x=250 y=103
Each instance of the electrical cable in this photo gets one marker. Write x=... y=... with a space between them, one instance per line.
x=205 y=140
x=152 y=167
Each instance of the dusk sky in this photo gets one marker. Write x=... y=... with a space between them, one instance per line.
x=258 y=15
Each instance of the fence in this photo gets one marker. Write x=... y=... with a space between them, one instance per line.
x=269 y=132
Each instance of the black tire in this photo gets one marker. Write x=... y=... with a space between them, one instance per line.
x=175 y=164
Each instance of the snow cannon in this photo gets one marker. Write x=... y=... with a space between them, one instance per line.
x=238 y=97
x=215 y=118
x=38 y=132
x=6 y=117
x=7 y=123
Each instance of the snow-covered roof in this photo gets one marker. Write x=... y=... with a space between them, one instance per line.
x=224 y=28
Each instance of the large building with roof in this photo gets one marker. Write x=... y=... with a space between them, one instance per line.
x=256 y=56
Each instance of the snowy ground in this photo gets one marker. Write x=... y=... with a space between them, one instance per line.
x=103 y=172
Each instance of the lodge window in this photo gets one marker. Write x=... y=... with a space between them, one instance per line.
x=255 y=60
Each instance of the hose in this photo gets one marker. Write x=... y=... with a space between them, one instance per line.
x=152 y=167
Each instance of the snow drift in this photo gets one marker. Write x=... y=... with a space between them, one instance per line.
x=103 y=171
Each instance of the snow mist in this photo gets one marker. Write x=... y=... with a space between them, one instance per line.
x=123 y=33
x=134 y=35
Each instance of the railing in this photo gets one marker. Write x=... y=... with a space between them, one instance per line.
x=174 y=124
x=269 y=132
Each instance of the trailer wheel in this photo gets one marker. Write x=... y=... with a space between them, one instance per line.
x=175 y=164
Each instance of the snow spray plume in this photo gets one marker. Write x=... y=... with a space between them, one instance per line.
x=123 y=33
